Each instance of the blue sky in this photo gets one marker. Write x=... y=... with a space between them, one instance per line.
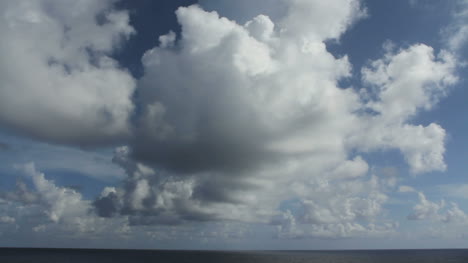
x=233 y=125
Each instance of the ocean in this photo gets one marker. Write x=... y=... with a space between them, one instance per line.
x=34 y=255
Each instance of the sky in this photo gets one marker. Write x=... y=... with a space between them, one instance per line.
x=218 y=124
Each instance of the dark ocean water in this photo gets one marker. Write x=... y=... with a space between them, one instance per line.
x=16 y=255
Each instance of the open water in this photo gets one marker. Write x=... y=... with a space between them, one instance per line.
x=32 y=255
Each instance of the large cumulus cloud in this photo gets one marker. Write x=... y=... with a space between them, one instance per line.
x=243 y=94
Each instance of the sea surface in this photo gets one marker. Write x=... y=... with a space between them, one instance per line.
x=23 y=255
